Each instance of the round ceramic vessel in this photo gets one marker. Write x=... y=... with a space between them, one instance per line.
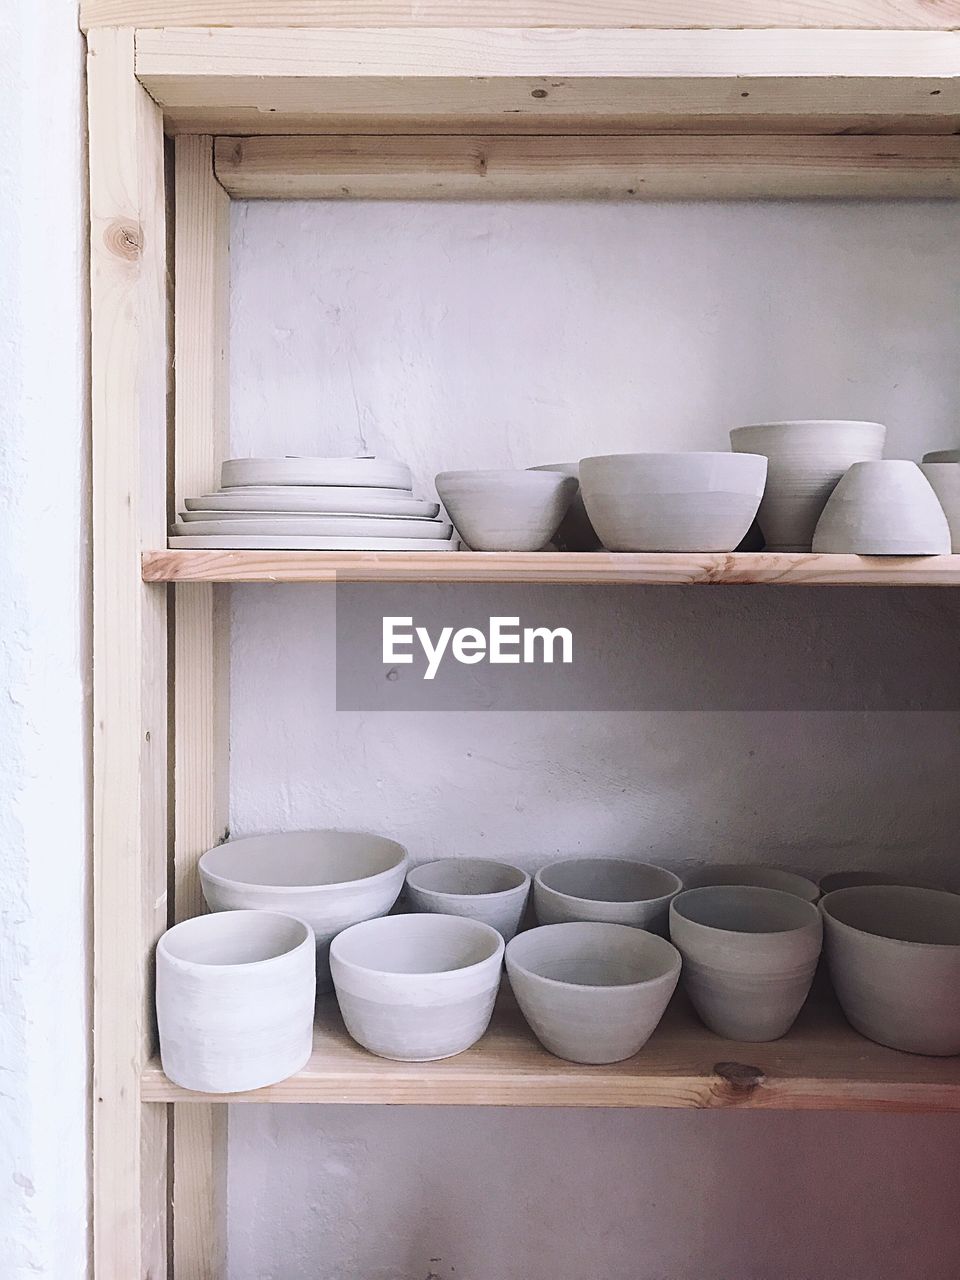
x=608 y=890
x=859 y=879
x=944 y=480
x=292 y=542
x=942 y=455
x=806 y=460
x=362 y=473
x=330 y=879
x=417 y=987
x=883 y=509
x=506 y=510
x=760 y=877
x=478 y=888
x=235 y=999
x=291 y=500
x=672 y=501
x=749 y=956
x=316 y=527
x=592 y=992
x=894 y=959
x=576 y=533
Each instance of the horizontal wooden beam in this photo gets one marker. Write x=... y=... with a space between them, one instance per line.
x=445 y=80
x=652 y=168
x=941 y=15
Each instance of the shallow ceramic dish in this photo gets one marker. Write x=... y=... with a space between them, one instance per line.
x=330 y=879
x=289 y=500
x=944 y=480
x=506 y=510
x=289 y=542
x=672 y=501
x=235 y=1000
x=894 y=960
x=576 y=533
x=368 y=473
x=609 y=890
x=761 y=877
x=806 y=459
x=316 y=526
x=749 y=956
x=942 y=455
x=417 y=987
x=883 y=509
x=592 y=992
x=479 y=888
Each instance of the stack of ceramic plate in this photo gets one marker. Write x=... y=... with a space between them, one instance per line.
x=313 y=504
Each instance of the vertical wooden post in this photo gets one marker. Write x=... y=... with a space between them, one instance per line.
x=201 y=658
x=129 y=363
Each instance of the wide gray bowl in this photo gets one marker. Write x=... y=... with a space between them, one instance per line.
x=506 y=510
x=608 y=890
x=478 y=888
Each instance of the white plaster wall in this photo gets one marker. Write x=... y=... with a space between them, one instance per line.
x=43 y=647
x=478 y=335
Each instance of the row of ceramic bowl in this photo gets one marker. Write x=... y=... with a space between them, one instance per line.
x=235 y=990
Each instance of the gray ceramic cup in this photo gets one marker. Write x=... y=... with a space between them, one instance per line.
x=478 y=888
x=608 y=890
x=749 y=956
x=592 y=992
x=894 y=959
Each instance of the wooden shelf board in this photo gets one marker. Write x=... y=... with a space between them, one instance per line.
x=821 y=1065
x=551 y=567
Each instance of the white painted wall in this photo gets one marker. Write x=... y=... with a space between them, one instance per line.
x=44 y=656
x=477 y=335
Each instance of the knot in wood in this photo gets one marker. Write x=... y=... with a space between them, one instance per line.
x=124 y=239
x=738 y=1078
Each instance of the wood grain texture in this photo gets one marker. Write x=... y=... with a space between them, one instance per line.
x=822 y=1064
x=129 y=363
x=547 y=81
x=551 y=567
x=883 y=14
x=201 y=658
x=652 y=168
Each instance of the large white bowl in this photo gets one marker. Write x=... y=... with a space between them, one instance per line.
x=506 y=510
x=608 y=890
x=672 y=501
x=883 y=509
x=417 y=987
x=330 y=879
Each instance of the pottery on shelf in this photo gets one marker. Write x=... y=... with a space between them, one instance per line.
x=576 y=533
x=944 y=480
x=749 y=956
x=310 y=526
x=417 y=987
x=506 y=510
x=479 y=888
x=330 y=879
x=608 y=890
x=883 y=509
x=235 y=1000
x=760 y=877
x=806 y=460
x=942 y=455
x=276 y=500
x=894 y=959
x=363 y=473
x=592 y=992
x=672 y=501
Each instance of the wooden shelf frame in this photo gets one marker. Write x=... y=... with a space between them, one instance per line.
x=395 y=99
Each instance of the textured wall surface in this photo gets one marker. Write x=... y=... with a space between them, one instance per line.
x=511 y=335
x=43 y=646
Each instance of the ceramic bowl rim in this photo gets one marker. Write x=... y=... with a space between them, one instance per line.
x=644 y=936
x=465 y=893
x=245 y=966
x=747 y=867
x=431 y=975
x=941 y=947
x=628 y=902
x=673 y=453
x=745 y=933
x=215 y=877
x=811 y=422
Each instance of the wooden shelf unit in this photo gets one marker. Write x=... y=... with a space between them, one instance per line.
x=433 y=99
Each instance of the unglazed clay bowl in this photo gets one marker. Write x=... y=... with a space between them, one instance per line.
x=417 y=987
x=592 y=992
x=330 y=879
x=576 y=533
x=235 y=999
x=608 y=890
x=479 y=888
x=894 y=960
x=760 y=877
x=944 y=480
x=942 y=455
x=835 y=880
x=506 y=510
x=806 y=459
x=672 y=501
x=883 y=509
x=749 y=956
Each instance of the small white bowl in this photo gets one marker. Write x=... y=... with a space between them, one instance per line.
x=478 y=888
x=608 y=890
x=506 y=510
x=759 y=877
x=592 y=992
x=330 y=879
x=418 y=987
